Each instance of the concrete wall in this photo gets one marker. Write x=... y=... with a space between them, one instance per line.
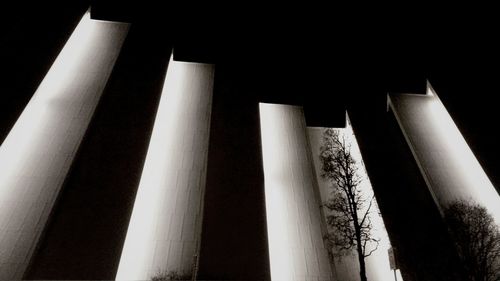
x=347 y=267
x=165 y=227
x=38 y=152
x=446 y=162
x=295 y=231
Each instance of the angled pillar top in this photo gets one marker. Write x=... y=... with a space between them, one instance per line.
x=37 y=154
x=447 y=163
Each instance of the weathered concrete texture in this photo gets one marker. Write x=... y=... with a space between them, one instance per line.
x=38 y=152
x=446 y=162
x=295 y=231
x=165 y=227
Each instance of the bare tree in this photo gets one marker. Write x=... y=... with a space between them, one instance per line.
x=477 y=239
x=350 y=209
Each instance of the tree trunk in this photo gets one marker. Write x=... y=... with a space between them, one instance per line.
x=359 y=247
x=361 y=259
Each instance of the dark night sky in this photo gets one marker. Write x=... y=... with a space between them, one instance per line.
x=325 y=58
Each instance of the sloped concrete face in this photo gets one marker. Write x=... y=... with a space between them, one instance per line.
x=37 y=154
x=295 y=231
x=165 y=228
x=446 y=162
x=347 y=267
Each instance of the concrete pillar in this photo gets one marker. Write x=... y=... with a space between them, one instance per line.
x=37 y=154
x=293 y=206
x=448 y=165
x=165 y=228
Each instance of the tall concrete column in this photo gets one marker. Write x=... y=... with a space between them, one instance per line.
x=448 y=165
x=37 y=154
x=293 y=206
x=165 y=228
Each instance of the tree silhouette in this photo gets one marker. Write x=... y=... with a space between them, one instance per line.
x=349 y=215
x=477 y=239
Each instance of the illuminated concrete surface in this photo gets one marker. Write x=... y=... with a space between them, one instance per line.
x=446 y=162
x=37 y=154
x=165 y=227
x=294 y=220
x=347 y=267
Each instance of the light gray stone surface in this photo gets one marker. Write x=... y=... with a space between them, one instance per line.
x=295 y=233
x=165 y=228
x=446 y=162
x=38 y=152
